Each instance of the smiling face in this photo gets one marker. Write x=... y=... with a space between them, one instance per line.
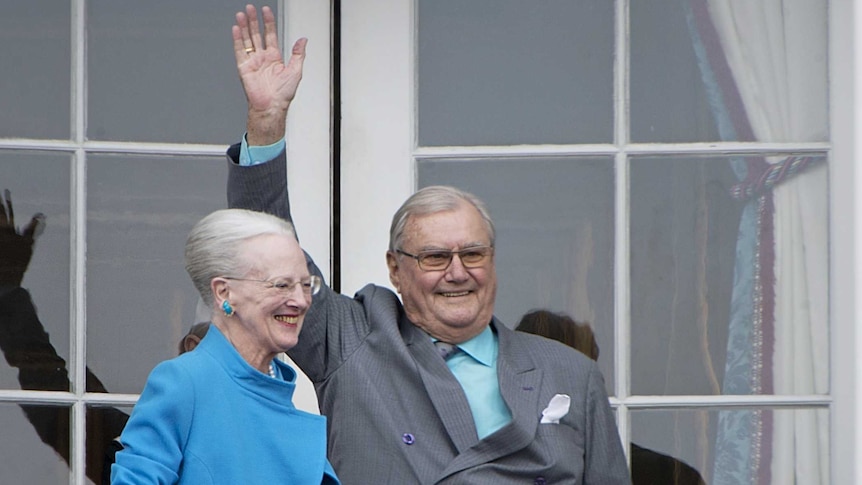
x=454 y=304
x=267 y=320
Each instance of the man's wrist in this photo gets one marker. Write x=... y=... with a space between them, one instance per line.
x=265 y=127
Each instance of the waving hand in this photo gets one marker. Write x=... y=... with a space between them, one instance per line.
x=269 y=84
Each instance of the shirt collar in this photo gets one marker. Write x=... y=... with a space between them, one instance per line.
x=482 y=347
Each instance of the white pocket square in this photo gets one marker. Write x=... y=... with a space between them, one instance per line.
x=557 y=408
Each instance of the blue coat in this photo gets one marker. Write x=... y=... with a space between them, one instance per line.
x=208 y=417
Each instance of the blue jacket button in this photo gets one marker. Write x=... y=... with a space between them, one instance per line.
x=407 y=438
x=539 y=481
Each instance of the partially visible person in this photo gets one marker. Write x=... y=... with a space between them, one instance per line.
x=26 y=346
x=562 y=328
x=500 y=407
x=191 y=340
x=648 y=467
x=224 y=413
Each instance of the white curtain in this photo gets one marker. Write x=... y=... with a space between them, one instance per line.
x=776 y=51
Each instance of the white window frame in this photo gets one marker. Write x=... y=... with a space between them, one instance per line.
x=845 y=81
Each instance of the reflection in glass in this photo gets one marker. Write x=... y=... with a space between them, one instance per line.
x=34 y=271
x=729 y=284
x=140 y=300
x=555 y=233
x=498 y=72
x=104 y=426
x=667 y=97
x=157 y=71
x=775 y=446
x=37 y=70
x=683 y=231
x=697 y=68
x=30 y=456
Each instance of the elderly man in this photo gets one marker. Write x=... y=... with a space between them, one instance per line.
x=504 y=407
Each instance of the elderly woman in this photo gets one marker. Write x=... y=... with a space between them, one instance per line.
x=223 y=413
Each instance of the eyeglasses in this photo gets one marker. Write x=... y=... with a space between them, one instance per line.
x=439 y=259
x=310 y=286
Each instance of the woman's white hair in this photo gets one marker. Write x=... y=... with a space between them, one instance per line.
x=214 y=245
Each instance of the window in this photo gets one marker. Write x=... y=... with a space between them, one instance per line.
x=608 y=138
x=619 y=146
x=114 y=126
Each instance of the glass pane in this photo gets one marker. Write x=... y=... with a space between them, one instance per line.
x=104 y=426
x=495 y=72
x=140 y=301
x=751 y=446
x=36 y=59
x=740 y=72
x=730 y=284
x=163 y=72
x=34 y=444
x=554 y=247
x=35 y=343
x=668 y=98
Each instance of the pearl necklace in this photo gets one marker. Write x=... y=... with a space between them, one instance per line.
x=272 y=371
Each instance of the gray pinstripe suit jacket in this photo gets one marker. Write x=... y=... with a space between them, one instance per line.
x=397 y=415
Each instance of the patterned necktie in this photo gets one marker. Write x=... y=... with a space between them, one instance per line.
x=446 y=350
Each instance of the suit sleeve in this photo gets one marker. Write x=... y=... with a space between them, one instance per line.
x=261 y=187
x=605 y=461
x=158 y=429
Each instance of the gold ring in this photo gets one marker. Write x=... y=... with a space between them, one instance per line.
x=249 y=50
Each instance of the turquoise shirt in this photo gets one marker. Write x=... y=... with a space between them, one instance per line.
x=258 y=154
x=476 y=370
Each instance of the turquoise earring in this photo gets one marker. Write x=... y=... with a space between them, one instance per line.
x=227 y=309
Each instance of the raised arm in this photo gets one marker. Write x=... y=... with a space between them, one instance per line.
x=23 y=340
x=27 y=347
x=269 y=85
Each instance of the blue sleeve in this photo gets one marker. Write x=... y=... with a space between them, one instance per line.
x=254 y=155
x=156 y=434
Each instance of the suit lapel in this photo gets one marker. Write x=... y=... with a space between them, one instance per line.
x=443 y=389
x=520 y=381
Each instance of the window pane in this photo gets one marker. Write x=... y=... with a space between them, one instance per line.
x=729 y=295
x=751 y=446
x=163 y=72
x=38 y=182
x=668 y=98
x=104 y=425
x=30 y=456
x=706 y=71
x=507 y=72
x=555 y=233
x=140 y=301
x=36 y=60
